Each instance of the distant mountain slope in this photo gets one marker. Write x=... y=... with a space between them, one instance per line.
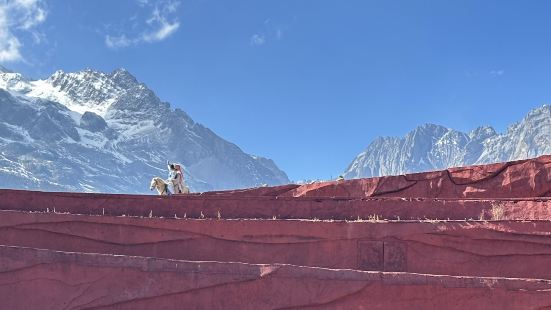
x=93 y=131
x=434 y=147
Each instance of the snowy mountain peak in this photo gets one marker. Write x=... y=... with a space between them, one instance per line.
x=12 y=81
x=427 y=129
x=543 y=111
x=82 y=91
x=96 y=131
x=86 y=90
x=431 y=126
x=123 y=78
x=122 y=71
x=482 y=132
x=434 y=147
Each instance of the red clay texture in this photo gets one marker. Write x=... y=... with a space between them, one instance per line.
x=231 y=207
x=45 y=279
x=501 y=248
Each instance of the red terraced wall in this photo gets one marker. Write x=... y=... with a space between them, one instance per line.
x=43 y=279
x=273 y=207
x=516 y=179
x=502 y=248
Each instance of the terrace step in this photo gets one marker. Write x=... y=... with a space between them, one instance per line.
x=45 y=279
x=520 y=249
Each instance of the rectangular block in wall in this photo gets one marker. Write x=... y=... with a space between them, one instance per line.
x=394 y=256
x=370 y=255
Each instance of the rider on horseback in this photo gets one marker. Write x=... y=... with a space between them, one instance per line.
x=176 y=178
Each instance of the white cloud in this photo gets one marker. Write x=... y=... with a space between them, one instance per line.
x=162 y=33
x=160 y=25
x=18 y=17
x=257 y=39
x=497 y=72
x=117 y=41
x=163 y=28
x=9 y=48
x=32 y=13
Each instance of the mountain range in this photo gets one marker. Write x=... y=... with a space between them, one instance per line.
x=434 y=147
x=107 y=132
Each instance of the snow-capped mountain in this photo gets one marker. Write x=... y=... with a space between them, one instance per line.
x=433 y=147
x=107 y=132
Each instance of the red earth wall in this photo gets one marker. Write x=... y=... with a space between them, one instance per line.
x=476 y=248
x=230 y=207
x=45 y=279
x=523 y=178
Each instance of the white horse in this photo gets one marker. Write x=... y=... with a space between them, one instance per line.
x=160 y=185
x=163 y=187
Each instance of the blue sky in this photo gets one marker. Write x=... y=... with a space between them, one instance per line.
x=308 y=83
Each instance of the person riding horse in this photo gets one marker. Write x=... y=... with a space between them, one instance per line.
x=174 y=184
x=176 y=178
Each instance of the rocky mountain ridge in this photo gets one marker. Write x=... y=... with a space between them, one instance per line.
x=107 y=132
x=434 y=147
